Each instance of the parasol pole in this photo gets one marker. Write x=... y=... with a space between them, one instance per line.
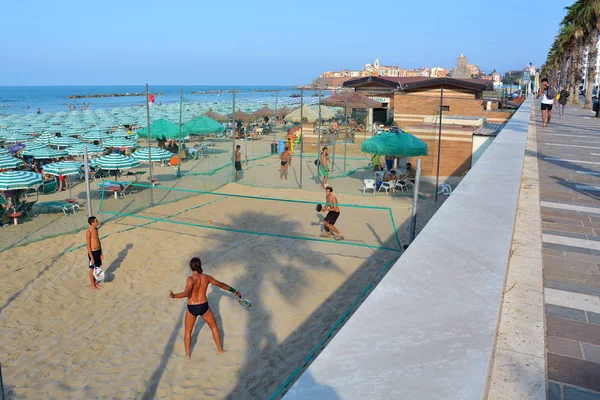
x=319 y=141
x=179 y=148
x=86 y=169
x=149 y=152
x=346 y=139
x=413 y=213
x=437 y=175
x=233 y=136
x=275 y=123
x=301 y=132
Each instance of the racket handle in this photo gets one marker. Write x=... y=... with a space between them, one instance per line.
x=232 y=289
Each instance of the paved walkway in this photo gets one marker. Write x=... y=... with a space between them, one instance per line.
x=569 y=170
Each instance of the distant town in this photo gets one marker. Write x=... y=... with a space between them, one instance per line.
x=463 y=70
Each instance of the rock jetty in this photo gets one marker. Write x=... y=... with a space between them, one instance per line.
x=100 y=95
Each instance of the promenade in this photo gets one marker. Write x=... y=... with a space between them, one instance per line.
x=569 y=176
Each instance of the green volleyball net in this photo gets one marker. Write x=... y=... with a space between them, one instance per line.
x=363 y=226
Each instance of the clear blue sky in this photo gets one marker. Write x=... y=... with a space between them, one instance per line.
x=65 y=42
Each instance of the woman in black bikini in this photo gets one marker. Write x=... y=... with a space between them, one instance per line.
x=195 y=291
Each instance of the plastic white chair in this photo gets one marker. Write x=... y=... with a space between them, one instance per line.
x=369 y=184
x=401 y=185
x=388 y=186
x=446 y=189
x=379 y=175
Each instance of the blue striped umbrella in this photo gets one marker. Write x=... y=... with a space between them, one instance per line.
x=34 y=145
x=64 y=141
x=91 y=136
x=16 y=138
x=4 y=152
x=121 y=134
x=45 y=138
x=119 y=142
x=12 y=180
x=63 y=167
x=157 y=154
x=113 y=162
x=7 y=162
x=44 y=153
x=77 y=150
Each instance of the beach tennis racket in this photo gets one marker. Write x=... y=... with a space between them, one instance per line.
x=319 y=207
x=98 y=274
x=244 y=302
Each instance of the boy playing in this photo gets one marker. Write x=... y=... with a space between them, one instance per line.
x=94 y=249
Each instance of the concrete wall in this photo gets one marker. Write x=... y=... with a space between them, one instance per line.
x=428 y=330
x=480 y=145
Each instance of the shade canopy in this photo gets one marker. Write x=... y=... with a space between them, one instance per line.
x=120 y=142
x=8 y=162
x=397 y=144
x=77 y=150
x=266 y=111
x=242 y=116
x=64 y=168
x=201 y=125
x=64 y=141
x=354 y=100
x=44 y=153
x=112 y=162
x=152 y=153
x=4 y=152
x=12 y=180
x=161 y=129
x=307 y=113
x=92 y=136
x=216 y=116
x=326 y=113
x=282 y=112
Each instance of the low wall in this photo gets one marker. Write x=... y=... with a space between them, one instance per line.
x=428 y=330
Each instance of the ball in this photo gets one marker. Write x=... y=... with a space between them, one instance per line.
x=210 y=221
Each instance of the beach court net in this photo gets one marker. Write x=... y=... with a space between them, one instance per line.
x=363 y=226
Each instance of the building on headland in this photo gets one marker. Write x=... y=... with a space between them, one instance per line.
x=413 y=104
x=439 y=72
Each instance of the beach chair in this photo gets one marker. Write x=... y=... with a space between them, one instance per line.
x=26 y=207
x=401 y=185
x=48 y=187
x=126 y=188
x=62 y=206
x=387 y=186
x=369 y=184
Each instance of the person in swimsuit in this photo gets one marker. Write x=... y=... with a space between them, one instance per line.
x=195 y=291
x=332 y=215
x=324 y=166
x=94 y=250
x=238 y=161
x=285 y=163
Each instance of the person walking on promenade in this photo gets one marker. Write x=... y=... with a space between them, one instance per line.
x=547 y=93
x=561 y=101
x=195 y=292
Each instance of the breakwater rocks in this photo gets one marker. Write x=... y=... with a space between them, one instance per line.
x=100 y=95
x=215 y=91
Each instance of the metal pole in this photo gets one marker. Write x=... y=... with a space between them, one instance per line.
x=346 y=138
x=275 y=123
x=301 y=132
x=437 y=175
x=149 y=152
x=179 y=147
x=1 y=384
x=233 y=136
x=319 y=141
x=413 y=213
x=86 y=168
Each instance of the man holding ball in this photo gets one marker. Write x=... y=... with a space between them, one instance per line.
x=332 y=215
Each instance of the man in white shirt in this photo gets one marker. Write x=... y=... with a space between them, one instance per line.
x=548 y=95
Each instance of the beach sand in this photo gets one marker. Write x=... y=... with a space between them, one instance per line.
x=62 y=340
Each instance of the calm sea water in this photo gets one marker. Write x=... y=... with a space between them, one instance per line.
x=17 y=99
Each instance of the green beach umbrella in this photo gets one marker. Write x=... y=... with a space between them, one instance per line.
x=44 y=153
x=201 y=125
x=45 y=138
x=77 y=150
x=16 y=138
x=122 y=134
x=119 y=142
x=4 y=152
x=156 y=153
x=160 y=129
x=397 y=144
x=92 y=136
x=7 y=162
x=33 y=146
x=112 y=162
x=63 y=167
x=12 y=180
x=64 y=141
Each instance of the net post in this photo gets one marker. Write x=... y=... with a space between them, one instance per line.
x=86 y=168
x=149 y=152
x=1 y=385
x=301 y=133
x=413 y=213
x=233 y=126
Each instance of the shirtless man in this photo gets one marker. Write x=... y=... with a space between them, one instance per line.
x=94 y=250
x=285 y=157
x=324 y=166
x=195 y=291
x=238 y=161
x=332 y=215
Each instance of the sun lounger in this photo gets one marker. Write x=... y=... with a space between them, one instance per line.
x=62 y=205
x=25 y=207
x=48 y=187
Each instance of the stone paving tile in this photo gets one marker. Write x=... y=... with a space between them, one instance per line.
x=573 y=371
x=554 y=391
x=562 y=214
x=574 y=393
x=573 y=330
x=553 y=252
x=568 y=228
x=588 y=258
x=563 y=221
x=557 y=273
x=565 y=347
x=566 y=234
x=565 y=312
x=593 y=318
x=590 y=353
x=567 y=248
x=571 y=287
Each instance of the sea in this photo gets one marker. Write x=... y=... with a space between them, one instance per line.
x=51 y=99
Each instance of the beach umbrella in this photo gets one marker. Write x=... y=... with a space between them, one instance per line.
x=326 y=113
x=16 y=148
x=282 y=112
x=33 y=145
x=266 y=111
x=64 y=141
x=216 y=116
x=16 y=138
x=13 y=180
x=92 y=136
x=4 y=152
x=45 y=138
x=350 y=99
x=201 y=125
x=154 y=153
x=122 y=134
x=8 y=162
x=242 y=116
x=113 y=162
x=77 y=150
x=307 y=113
x=120 y=142
x=44 y=153
x=160 y=129
x=397 y=144
x=64 y=168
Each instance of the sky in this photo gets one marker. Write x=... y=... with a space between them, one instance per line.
x=265 y=42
